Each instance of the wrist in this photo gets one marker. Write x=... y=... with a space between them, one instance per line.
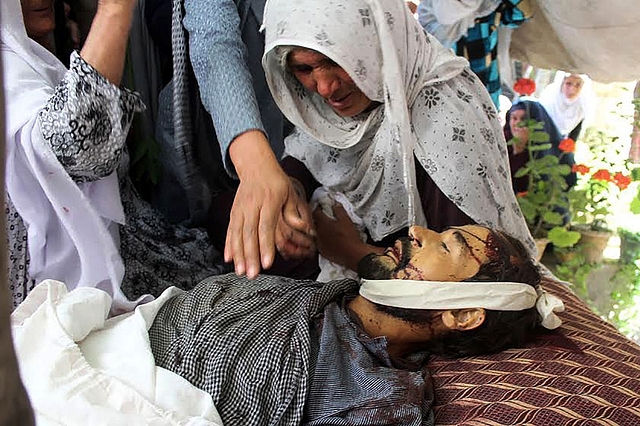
x=358 y=251
x=251 y=153
x=115 y=8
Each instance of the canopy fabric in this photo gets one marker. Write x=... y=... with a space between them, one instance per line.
x=590 y=37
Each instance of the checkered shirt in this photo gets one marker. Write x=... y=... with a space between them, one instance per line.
x=275 y=351
x=247 y=343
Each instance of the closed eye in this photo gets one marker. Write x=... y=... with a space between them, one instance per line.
x=444 y=246
x=302 y=69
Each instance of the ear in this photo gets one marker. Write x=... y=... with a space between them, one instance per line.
x=463 y=319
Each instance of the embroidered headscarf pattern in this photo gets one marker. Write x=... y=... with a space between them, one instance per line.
x=432 y=107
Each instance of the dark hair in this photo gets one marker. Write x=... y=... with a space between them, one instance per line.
x=508 y=261
x=62 y=36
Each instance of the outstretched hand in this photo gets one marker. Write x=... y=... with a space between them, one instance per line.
x=267 y=210
x=339 y=239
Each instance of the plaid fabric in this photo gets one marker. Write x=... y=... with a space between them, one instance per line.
x=480 y=45
x=247 y=343
x=587 y=373
x=354 y=382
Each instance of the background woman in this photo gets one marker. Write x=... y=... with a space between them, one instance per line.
x=568 y=100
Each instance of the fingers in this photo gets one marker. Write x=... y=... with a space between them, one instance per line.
x=292 y=243
x=233 y=247
x=297 y=215
x=250 y=241
x=322 y=220
x=251 y=245
x=266 y=236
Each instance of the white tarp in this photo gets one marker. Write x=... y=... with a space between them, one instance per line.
x=599 y=38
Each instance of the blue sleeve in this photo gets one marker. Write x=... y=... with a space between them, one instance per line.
x=218 y=57
x=512 y=15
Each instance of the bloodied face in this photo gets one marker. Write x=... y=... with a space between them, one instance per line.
x=452 y=255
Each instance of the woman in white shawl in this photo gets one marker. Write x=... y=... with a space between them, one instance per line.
x=425 y=147
x=65 y=136
x=569 y=101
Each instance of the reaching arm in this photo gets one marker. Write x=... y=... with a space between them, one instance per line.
x=267 y=211
x=339 y=239
x=106 y=44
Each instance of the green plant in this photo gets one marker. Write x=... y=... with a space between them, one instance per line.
x=544 y=203
x=599 y=187
x=624 y=298
x=574 y=268
x=629 y=245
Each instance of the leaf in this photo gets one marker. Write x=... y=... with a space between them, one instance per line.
x=635 y=205
x=552 y=218
x=541 y=147
x=539 y=137
x=562 y=237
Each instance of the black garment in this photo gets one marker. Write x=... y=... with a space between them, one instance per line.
x=536 y=111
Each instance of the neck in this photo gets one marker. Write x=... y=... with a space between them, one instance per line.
x=403 y=337
x=45 y=41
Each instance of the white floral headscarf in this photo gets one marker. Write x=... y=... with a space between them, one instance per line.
x=433 y=107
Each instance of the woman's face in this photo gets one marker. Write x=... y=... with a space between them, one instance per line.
x=516 y=124
x=571 y=86
x=319 y=74
x=39 y=18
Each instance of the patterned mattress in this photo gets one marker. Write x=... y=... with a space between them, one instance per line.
x=585 y=373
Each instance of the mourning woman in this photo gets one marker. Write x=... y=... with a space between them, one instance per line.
x=72 y=213
x=388 y=117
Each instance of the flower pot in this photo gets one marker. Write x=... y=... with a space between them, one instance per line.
x=592 y=245
x=565 y=256
x=541 y=245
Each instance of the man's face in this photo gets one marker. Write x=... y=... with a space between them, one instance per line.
x=319 y=74
x=452 y=255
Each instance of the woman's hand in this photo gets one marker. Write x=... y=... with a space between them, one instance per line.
x=293 y=238
x=267 y=211
x=339 y=240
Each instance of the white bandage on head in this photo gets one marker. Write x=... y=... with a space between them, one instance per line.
x=442 y=295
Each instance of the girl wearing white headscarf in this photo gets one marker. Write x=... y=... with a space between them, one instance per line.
x=568 y=100
x=65 y=135
x=433 y=113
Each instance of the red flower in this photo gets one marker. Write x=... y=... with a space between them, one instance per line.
x=602 y=174
x=567 y=145
x=621 y=180
x=580 y=168
x=521 y=194
x=525 y=86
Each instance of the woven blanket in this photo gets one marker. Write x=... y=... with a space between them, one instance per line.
x=586 y=373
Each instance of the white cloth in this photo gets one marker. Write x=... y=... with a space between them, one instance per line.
x=448 y=20
x=591 y=38
x=72 y=229
x=443 y=295
x=81 y=369
x=326 y=200
x=433 y=108
x=567 y=113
